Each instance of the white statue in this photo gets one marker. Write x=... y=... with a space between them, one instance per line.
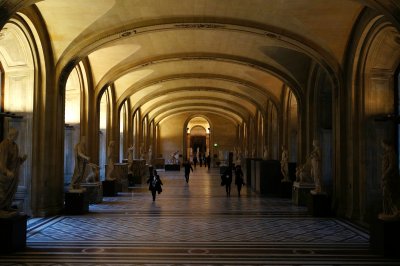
x=81 y=160
x=265 y=153
x=316 y=171
x=390 y=183
x=10 y=161
x=141 y=151
x=131 y=157
x=175 y=157
x=303 y=174
x=110 y=161
x=92 y=173
x=150 y=155
x=285 y=164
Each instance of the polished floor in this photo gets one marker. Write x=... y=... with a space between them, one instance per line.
x=194 y=223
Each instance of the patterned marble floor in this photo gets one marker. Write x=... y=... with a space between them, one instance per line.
x=194 y=224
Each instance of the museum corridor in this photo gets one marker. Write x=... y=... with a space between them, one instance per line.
x=194 y=224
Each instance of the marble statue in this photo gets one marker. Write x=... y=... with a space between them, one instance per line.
x=389 y=183
x=150 y=155
x=265 y=153
x=175 y=157
x=141 y=151
x=285 y=164
x=81 y=160
x=303 y=174
x=110 y=161
x=131 y=157
x=92 y=173
x=10 y=162
x=316 y=171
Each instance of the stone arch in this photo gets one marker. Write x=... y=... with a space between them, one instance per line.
x=372 y=88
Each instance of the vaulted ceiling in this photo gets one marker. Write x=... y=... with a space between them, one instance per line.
x=228 y=56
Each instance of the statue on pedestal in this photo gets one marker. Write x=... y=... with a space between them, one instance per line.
x=316 y=171
x=150 y=155
x=92 y=173
x=390 y=183
x=285 y=164
x=265 y=153
x=141 y=151
x=110 y=161
x=81 y=160
x=10 y=161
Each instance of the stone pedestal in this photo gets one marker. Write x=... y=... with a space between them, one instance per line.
x=139 y=171
x=76 y=202
x=110 y=188
x=385 y=237
x=286 y=189
x=300 y=192
x=319 y=204
x=121 y=176
x=94 y=192
x=13 y=233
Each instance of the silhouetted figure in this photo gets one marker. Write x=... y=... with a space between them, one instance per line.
x=208 y=160
x=155 y=184
x=226 y=179
x=188 y=166
x=239 y=181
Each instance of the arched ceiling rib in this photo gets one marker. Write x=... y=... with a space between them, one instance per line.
x=197 y=110
x=205 y=92
x=237 y=107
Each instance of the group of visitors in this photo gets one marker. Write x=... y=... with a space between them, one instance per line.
x=155 y=182
x=226 y=179
x=205 y=160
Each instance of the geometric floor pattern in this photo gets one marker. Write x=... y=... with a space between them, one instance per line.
x=194 y=224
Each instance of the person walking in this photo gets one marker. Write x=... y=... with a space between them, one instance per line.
x=188 y=166
x=239 y=181
x=227 y=180
x=155 y=184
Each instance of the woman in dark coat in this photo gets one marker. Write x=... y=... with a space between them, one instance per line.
x=155 y=184
x=239 y=181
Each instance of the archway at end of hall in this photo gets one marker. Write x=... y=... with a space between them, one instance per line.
x=197 y=139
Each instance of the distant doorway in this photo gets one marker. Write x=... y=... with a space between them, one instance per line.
x=197 y=138
x=198 y=143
